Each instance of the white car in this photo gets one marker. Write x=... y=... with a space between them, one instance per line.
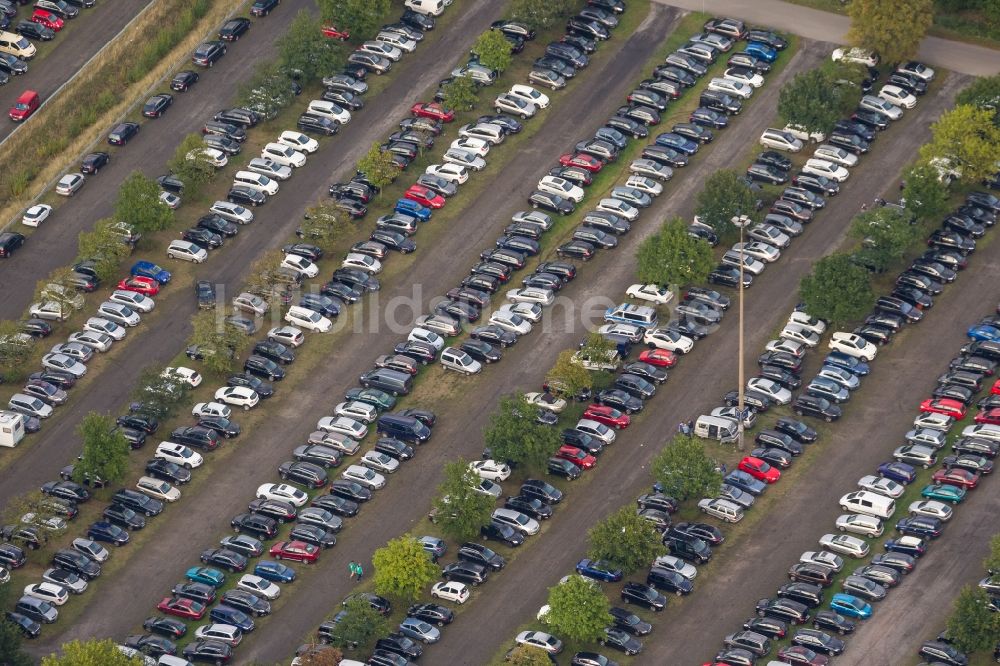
x=823 y=558
x=51 y=310
x=780 y=140
x=677 y=565
x=750 y=265
x=800 y=333
x=759 y=250
x=132 y=299
x=225 y=633
x=509 y=321
x=546 y=401
x=362 y=262
x=492 y=470
x=70 y=183
x=429 y=337
x=283 y=154
x=670 y=340
x=35 y=215
x=186 y=375
x=321 y=107
x=268 y=167
x=744 y=75
x=298 y=141
x=934 y=421
x=211 y=409
x=802 y=134
x=64 y=363
x=100 y=341
x=240 y=396
x=308 y=319
x=487 y=487
x=186 y=251
x=835 y=154
x=881 y=485
x=514 y=105
x=50 y=592
x=286 y=335
x=259 y=586
x=844 y=544
x=529 y=94
x=651 y=293
x=739 y=89
x=796 y=349
x=853 y=345
x=517 y=520
x=490 y=132
x=381 y=49
x=931 y=508
x=379 y=462
x=818 y=167
x=451 y=591
x=531 y=295
x=562 y=187
x=540 y=640
x=597 y=430
x=530 y=311
x=464 y=159
x=619 y=207
x=256 y=181
x=451 y=172
x=282 y=492
x=472 y=145
x=869 y=526
x=722 y=509
x=301 y=265
x=772 y=389
x=856 y=55
x=883 y=106
x=157 y=489
x=644 y=184
x=356 y=410
x=109 y=328
x=343 y=425
x=897 y=96
x=250 y=303
x=178 y=454
x=232 y=212
x=213 y=156
x=364 y=476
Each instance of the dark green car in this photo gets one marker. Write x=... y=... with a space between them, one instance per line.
x=378 y=399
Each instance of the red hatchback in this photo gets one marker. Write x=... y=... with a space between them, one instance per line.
x=991 y=416
x=47 y=19
x=300 y=551
x=946 y=406
x=576 y=456
x=143 y=285
x=424 y=196
x=995 y=390
x=662 y=358
x=609 y=416
x=759 y=469
x=188 y=609
x=432 y=110
x=582 y=160
x=956 y=476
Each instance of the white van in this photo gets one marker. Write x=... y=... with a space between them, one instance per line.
x=432 y=7
x=868 y=503
x=453 y=358
x=721 y=428
x=16 y=45
x=256 y=181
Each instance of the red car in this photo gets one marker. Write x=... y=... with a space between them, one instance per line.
x=946 y=406
x=582 y=160
x=432 y=110
x=47 y=19
x=662 y=358
x=143 y=285
x=991 y=416
x=300 y=551
x=759 y=469
x=995 y=390
x=576 y=456
x=26 y=104
x=956 y=476
x=424 y=196
x=189 y=609
x=334 y=33
x=609 y=416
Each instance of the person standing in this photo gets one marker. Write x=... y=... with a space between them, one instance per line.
x=358 y=570
x=352 y=567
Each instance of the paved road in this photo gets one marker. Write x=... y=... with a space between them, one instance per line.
x=83 y=37
x=817 y=24
x=704 y=375
x=54 y=244
x=115 y=611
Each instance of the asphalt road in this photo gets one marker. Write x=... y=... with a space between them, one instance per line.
x=82 y=38
x=114 y=611
x=54 y=244
x=818 y=24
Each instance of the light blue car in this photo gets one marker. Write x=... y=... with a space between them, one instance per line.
x=851 y=606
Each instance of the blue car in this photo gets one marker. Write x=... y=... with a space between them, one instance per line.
x=898 y=472
x=908 y=545
x=851 y=606
x=107 y=532
x=276 y=572
x=745 y=482
x=150 y=270
x=677 y=142
x=762 y=51
x=410 y=207
x=920 y=526
x=850 y=363
x=229 y=615
x=984 y=332
x=206 y=575
x=598 y=570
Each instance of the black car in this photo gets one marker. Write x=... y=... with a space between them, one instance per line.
x=9 y=242
x=466 y=572
x=203 y=238
x=196 y=437
x=263 y=368
x=133 y=499
x=304 y=473
x=767 y=173
x=263 y=7
x=171 y=472
x=401 y=645
x=394 y=448
x=435 y=614
x=232 y=29
x=621 y=399
x=76 y=562
x=205 y=292
x=67 y=490
x=280 y=511
x=871 y=119
x=36 y=328
x=224 y=558
x=308 y=122
x=319 y=455
x=503 y=533
x=530 y=506
x=628 y=126
x=830 y=620
x=797 y=430
x=817 y=184
x=165 y=626
x=36 y=31
x=199 y=592
x=313 y=534
x=123 y=516
x=94 y=162
x=275 y=351
x=12 y=556
x=806 y=405
x=350 y=490
x=184 y=80
x=225 y=427
x=156 y=105
x=643 y=595
x=562 y=468
x=419 y=351
x=215 y=652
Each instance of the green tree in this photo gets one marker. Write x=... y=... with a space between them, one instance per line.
x=625 y=540
x=58 y=288
x=323 y=225
x=578 y=609
x=191 y=165
x=926 y=195
x=361 y=17
x=837 y=290
x=514 y=434
x=33 y=501
x=305 y=51
x=11 y=639
x=724 y=197
x=378 y=167
x=968 y=140
x=972 y=626
x=892 y=28
x=403 y=569
x=817 y=98
x=570 y=377
x=16 y=351
x=221 y=342
x=139 y=204
x=105 y=450
x=161 y=396
x=360 y=625
x=539 y=14
x=319 y=654
x=983 y=93
x=886 y=234
x=104 y=247
x=526 y=655
x=493 y=50
x=671 y=256
x=268 y=91
x=93 y=652
x=992 y=561
x=264 y=273
x=685 y=470
x=460 y=509
x=597 y=346
x=461 y=94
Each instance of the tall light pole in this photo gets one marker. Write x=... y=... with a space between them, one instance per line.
x=741 y=221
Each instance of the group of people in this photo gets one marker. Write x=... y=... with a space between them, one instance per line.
x=685 y=427
x=355 y=570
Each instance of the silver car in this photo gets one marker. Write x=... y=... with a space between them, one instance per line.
x=269 y=168
x=69 y=184
x=232 y=212
x=118 y=313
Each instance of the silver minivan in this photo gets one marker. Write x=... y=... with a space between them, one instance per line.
x=29 y=405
